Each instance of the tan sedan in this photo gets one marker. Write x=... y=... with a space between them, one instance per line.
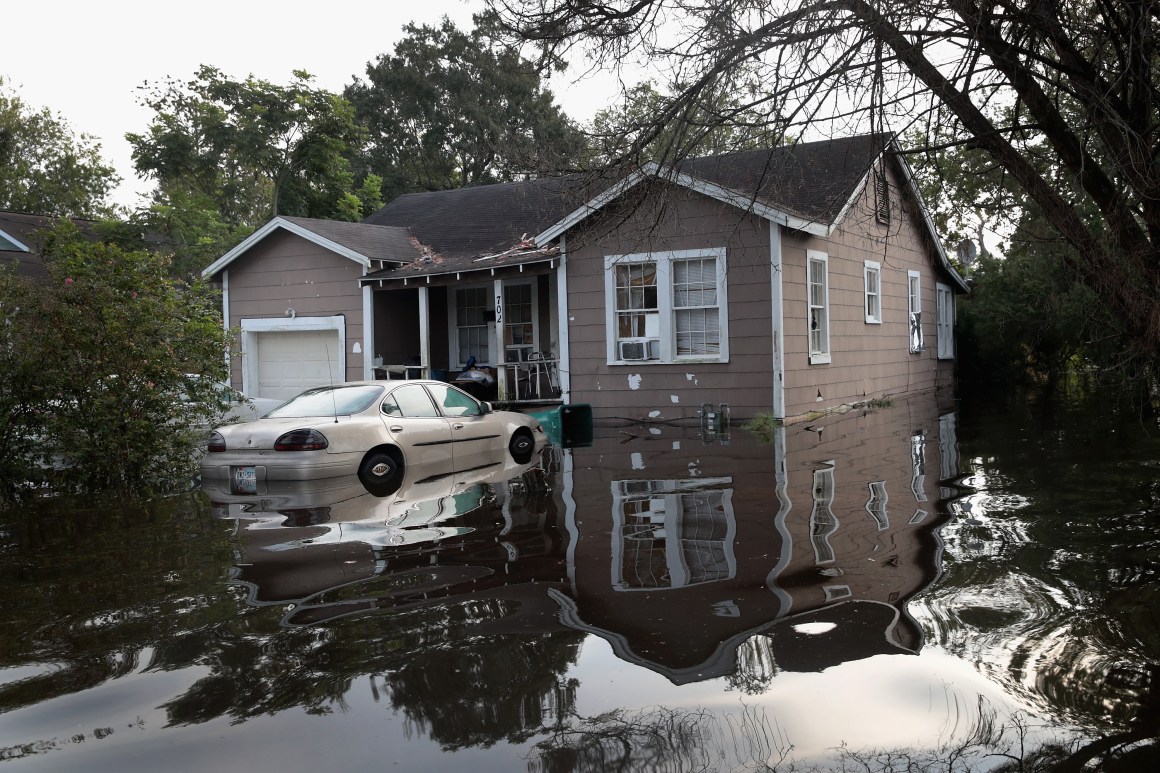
x=374 y=429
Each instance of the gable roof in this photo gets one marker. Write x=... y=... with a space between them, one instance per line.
x=359 y=242
x=485 y=219
x=20 y=242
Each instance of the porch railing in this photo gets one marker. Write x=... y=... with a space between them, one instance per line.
x=536 y=378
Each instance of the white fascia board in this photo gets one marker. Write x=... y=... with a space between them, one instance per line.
x=594 y=205
x=293 y=228
x=747 y=203
x=21 y=246
x=668 y=174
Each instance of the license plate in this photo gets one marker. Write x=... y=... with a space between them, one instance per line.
x=244 y=480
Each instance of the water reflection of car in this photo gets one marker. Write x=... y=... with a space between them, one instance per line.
x=303 y=539
x=372 y=429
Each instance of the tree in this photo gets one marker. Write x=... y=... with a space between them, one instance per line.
x=253 y=148
x=1079 y=81
x=702 y=129
x=450 y=109
x=45 y=168
x=137 y=361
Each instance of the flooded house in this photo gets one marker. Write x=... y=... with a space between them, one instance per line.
x=781 y=280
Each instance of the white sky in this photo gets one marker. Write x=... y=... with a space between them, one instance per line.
x=85 y=60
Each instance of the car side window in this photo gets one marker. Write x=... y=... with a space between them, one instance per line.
x=390 y=407
x=414 y=402
x=453 y=402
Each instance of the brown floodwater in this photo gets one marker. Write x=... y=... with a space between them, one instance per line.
x=934 y=583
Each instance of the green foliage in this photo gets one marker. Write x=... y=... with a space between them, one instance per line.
x=450 y=109
x=718 y=123
x=98 y=367
x=45 y=168
x=251 y=148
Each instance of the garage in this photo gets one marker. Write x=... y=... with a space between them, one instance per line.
x=283 y=357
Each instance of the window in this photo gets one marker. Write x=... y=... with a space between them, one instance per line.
x=11 y=243
x=414 y=402
x=452 y=402
x=472 y=305
x=823 y=522
x=872 y=272
x=819 y=306
x=672 y=533
x=519 y=333
x=667 y=307
x=876 y=504
x=914 y=285
x=945 y=308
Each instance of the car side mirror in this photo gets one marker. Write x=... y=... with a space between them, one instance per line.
x=484 y=408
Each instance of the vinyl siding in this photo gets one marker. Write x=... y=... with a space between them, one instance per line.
x=672 y=391
x=285 y=271
x=866 y=360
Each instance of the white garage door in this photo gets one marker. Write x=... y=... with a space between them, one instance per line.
x=289 y=362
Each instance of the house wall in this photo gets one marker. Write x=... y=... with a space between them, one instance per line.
x=285 y=271
x=867 y=360
x=678 y=220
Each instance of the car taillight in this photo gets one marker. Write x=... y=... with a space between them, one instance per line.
x=301 y=440
x=217 y=443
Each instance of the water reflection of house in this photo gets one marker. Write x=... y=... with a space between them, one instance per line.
x=689 y=559
x=817 y=546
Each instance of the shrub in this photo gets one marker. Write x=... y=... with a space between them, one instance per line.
x=98 y=362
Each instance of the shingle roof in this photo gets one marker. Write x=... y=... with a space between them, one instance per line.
x=813 y=180
x=23 y=228
x=377 y=242
x=469 y=222
x=468 y=229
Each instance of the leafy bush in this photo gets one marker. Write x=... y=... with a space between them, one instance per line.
x=98 y=364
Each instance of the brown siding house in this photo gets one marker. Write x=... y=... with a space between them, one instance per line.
x=787 y=281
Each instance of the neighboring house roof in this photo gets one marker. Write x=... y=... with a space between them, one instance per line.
x=20 y=242
x=360 y=242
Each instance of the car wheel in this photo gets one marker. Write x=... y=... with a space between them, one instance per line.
x=379 y=470
x=521 y=446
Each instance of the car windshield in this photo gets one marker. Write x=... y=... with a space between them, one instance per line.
x=328 y=401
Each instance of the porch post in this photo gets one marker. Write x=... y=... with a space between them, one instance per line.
x=562 y=368
x=368 y=332
x=498 y=360
x=424 y=331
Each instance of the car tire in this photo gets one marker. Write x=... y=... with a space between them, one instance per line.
x=379 y=471
x=521 y=446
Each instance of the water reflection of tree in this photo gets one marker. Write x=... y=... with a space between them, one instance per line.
x=1051 y=574
x=88 y=587
x=756 y=666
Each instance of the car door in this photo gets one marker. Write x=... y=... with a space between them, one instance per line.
x=417 y=426
x=473 y=432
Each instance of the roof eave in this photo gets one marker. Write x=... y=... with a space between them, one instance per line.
x=670 y=174
x=426 y=275
x=298 y=230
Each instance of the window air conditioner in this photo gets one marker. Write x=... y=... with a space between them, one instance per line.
x=638 y=349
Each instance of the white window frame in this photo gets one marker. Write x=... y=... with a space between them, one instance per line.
x=819 y=355
x=872 y=268
x=945 y=328
x=453 y=323
x=914 y=309
x=665 y=330
x=534 y=346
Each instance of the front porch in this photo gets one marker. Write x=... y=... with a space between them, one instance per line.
x=493 y=331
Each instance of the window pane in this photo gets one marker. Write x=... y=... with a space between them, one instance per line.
x=414 y=402
x=454 y=402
